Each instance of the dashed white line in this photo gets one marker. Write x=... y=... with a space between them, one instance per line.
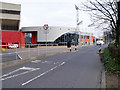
x=36 y=61
x=56 y=62
x=42 y=74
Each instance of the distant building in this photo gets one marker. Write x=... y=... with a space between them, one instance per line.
x=10 y=16
x=107 y=37
x=10 y=21
x=55 y=34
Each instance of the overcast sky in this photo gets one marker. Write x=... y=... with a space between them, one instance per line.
x=53 y=13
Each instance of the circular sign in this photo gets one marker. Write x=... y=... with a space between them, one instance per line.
x=45 y=27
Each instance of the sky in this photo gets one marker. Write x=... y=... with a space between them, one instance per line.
x=53 y=13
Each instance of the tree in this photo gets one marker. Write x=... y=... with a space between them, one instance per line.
x=106 y=15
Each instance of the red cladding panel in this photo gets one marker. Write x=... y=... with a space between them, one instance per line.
x=13 y=37
x=34 y=37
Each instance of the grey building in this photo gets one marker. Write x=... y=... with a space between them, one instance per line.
x=9 y=16
x=54 y=34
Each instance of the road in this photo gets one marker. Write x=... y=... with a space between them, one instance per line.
x=9 y=56
x=81 y=69
x=25 y=53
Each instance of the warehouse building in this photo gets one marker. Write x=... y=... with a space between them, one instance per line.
x=55 y=34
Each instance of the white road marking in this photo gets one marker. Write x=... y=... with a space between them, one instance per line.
x=27 y=68
x=23 y=68
x=36 y=61
x=56 y=62
x=42 y=74
x=46 y=62
x=10 y=73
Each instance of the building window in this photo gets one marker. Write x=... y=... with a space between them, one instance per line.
x=4 y=27
x=87 y=37
x=10 y=12
x=28 y=38
x=83 y=37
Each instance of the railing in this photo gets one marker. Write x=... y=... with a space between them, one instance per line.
x=31 y=50
x=28 y=50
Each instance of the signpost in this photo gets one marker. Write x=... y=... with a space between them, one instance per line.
x=46 y=31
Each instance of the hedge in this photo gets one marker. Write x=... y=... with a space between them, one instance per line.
x=115 y=52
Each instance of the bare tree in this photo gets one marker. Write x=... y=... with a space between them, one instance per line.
x=105 y=15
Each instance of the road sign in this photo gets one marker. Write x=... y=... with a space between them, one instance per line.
x=45 y=27
x=46 y=31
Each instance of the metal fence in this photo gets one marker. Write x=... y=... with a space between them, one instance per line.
x=29 y=50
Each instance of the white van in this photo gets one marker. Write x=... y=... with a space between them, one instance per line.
x=100 y=42
x=13 y=46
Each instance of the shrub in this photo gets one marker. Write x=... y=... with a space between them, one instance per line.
x=110 y=63
x=115 y=52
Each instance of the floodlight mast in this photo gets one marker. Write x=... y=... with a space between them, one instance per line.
x=77 y=25
x=77 y=20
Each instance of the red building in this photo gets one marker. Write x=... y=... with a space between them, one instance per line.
x=12 y=37
x=86 y=38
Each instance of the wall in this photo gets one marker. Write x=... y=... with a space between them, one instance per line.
x=34 y=37
x=87 y=40
x=10 y=37
x=10 y=6
x=54 y=32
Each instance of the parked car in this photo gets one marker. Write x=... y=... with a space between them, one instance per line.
x=13 y=46
x=100 y=42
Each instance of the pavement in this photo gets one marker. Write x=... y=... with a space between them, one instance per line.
x=11 y=58
x=76 y=69
x=25 y=53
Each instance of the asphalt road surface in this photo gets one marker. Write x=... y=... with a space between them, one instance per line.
x=80 y=69
x=9 y=56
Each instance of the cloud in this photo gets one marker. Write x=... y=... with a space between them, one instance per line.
x=53 y=14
